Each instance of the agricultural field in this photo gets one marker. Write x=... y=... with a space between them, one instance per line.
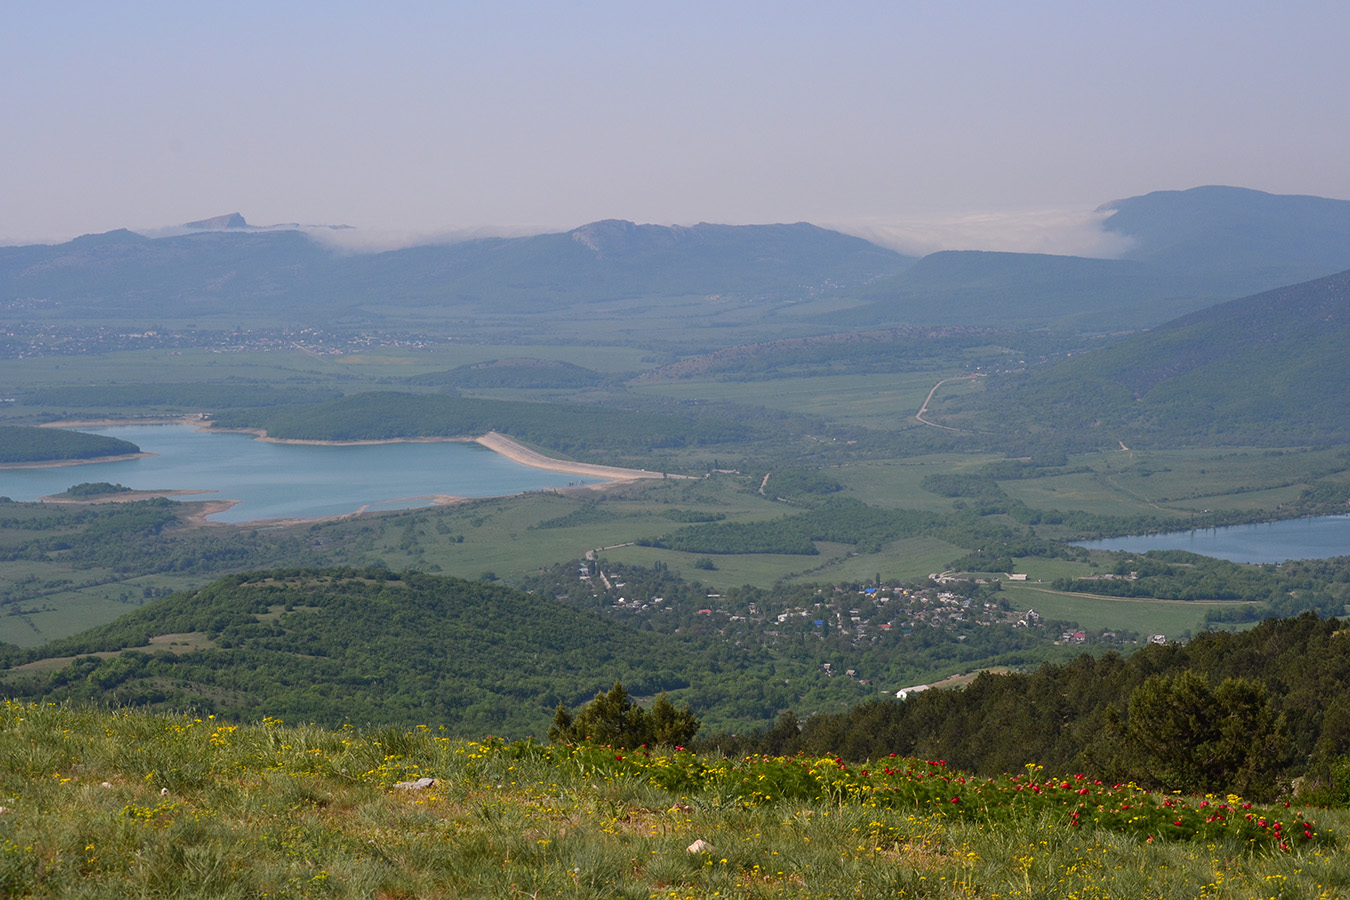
x=876 y=401
x=898 y=482
x=1182 y=481
x=1173 y=619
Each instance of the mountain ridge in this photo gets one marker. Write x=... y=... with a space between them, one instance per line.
x=1190 y=249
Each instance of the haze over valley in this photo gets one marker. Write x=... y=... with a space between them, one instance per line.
x=767 y=374
x=894 y=450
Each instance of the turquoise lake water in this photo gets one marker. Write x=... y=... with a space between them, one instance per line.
x=1318 y=537
x=292 y=480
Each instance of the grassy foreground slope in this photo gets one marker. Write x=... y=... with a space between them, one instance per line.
x=101 y=804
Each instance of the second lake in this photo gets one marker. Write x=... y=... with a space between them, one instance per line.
x=1317 y=537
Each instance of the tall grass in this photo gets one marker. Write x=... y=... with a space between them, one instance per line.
x=125 y=804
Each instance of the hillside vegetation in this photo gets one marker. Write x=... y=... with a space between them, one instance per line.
x=1244 y=712
x=1264 y=370
x=515 y=373
x=26 y=444
x=347 y=645
x=358 y=646
x=1068 y=294
x=115 y=804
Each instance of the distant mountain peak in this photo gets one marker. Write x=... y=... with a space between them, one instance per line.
x=218 y=223
x=609 y=237
x=108 y=238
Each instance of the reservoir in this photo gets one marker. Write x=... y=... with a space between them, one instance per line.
x=309 y=481
x=1317 y=537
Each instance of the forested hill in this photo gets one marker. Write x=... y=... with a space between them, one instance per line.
x=28 y=444
x=1225 y=712
x=361 y=646
x=1262 y=370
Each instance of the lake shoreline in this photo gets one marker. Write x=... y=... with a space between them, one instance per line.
x=58 y=463
x=1264 y=542
x=497 y=442
x=519 y=453
x=596 y=477
x=125 y=496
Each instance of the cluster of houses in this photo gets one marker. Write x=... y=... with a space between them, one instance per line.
x=844 y=618
x=877 y=610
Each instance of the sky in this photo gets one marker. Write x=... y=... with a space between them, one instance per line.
x=925 y=125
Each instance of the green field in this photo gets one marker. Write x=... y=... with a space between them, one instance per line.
x=62 y=613
x=1172 y=618
x=879 y=401
x=898 y=482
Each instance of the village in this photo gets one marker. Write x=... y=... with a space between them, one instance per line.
x=866 y=633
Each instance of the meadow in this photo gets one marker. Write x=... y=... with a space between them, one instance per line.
x=877 y=401
x=114 y=804
x=1172 y=618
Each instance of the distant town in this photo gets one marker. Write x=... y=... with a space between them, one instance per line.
x=25 y=341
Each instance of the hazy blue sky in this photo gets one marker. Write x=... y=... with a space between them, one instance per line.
x=1008 y=121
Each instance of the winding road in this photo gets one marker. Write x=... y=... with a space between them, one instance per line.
x=923 y=409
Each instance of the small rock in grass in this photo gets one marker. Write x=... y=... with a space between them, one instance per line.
x=700 y=846
x=417 y=785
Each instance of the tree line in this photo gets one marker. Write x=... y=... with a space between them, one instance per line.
x=1243 y=712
